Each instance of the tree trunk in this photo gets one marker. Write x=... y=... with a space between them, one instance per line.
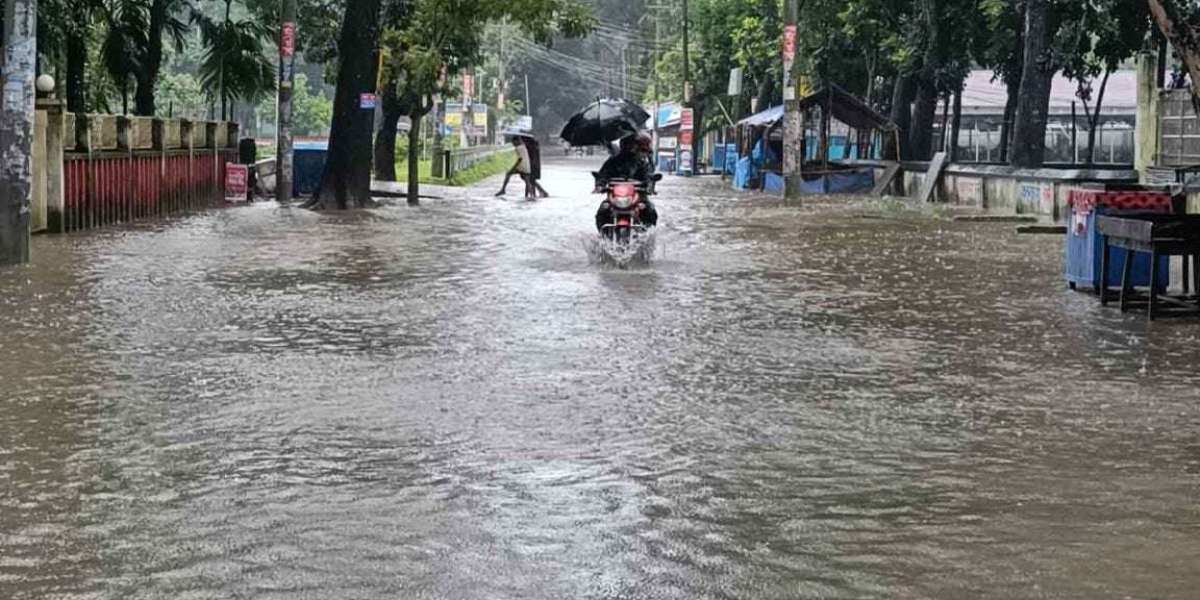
x=1172 y=21
x=1094 y=120
x=902 y=97
x=414 y=159
x=346 y=180
x=920 y=139
x=147 y=75
x=385 y=138
x=1012 y=82
x=956 y=124
x=1029 y=131
x=1010 y=111
x=76 y=71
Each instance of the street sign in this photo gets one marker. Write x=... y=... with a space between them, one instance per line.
x=366 y=101
x=789 y=43
x=687 y=120
x=525 y=123
x=735 y=81
x=236 y=177
x=287 y=39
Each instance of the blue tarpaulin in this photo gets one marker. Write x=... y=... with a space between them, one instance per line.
x=742 y=174
x=840 y=182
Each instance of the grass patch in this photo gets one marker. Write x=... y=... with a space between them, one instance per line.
x=494 y=165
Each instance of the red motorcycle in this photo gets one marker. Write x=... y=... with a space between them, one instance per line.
x=622 y=216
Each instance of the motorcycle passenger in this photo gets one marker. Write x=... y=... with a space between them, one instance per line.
x=629 y=164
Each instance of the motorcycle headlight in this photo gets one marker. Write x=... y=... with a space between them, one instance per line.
x=623 y=202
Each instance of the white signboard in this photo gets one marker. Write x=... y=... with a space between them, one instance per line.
x=667 y=143
x=735 y=81
x=525 y=123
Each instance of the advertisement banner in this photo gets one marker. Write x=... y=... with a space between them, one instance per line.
x=789 y=43
x=287 y=39
x=236 y=178
x=686 y=137
x=468 y=85
x=687 y=120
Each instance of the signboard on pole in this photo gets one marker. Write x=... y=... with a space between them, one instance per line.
x=525 y=123
x=686 y=137
x=236 y=178
x=366 y=101
x=735 y=81
x=789 y=57
x=468 y=86
x=287 y=39
x=480 y=112
x=687 y=120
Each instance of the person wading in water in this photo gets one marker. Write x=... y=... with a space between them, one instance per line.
x=523 y=168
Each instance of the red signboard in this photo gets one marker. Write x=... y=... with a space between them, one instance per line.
x=468 y=86
x=686 y=137
x=687 y=120
x=287 y=39
x=236 y=177
x=789 y=42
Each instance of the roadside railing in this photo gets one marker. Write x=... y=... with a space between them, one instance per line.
x=465 y=158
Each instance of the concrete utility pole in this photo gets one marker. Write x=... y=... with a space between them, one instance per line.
x=287 y=74
x=687 y=74
x=16 y=129
x=793 y=118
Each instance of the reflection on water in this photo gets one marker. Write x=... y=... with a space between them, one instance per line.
x=837 y=401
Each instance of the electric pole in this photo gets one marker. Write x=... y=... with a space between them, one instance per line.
x=687 y=88
x=793 y=118
x=16 y=129
x=287 y=77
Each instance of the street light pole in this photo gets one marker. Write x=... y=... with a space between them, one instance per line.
x=287 y=73
x=16 y=129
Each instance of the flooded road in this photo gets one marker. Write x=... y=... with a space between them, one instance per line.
x=453 y=401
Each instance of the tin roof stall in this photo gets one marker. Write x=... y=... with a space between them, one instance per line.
x=844 y=129
x=759 y=146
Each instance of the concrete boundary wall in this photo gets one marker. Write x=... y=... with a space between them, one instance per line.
x=94 y=170
x=1007 y=190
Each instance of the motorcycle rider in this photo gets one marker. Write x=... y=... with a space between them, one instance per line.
x=629 y=164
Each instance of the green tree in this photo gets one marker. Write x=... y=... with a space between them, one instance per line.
x=428 y=42
x=234 y=62
x=1097 y=38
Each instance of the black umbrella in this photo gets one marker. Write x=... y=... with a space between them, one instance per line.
x=604 y=121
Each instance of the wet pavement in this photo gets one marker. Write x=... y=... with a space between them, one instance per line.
x=850 y=400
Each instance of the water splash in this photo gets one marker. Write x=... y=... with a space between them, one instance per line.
x=639 y=252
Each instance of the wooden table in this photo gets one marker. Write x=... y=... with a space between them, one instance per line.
x=1159 y=235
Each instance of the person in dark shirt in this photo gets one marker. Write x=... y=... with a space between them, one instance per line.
x=629 y=164
x=626 y=165
x=535 y=160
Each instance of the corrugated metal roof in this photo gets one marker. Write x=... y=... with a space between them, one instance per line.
x=985 y=95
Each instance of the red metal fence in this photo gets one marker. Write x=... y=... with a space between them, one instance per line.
x=106 y=188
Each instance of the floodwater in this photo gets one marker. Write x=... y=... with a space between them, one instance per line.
x=837 y=401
